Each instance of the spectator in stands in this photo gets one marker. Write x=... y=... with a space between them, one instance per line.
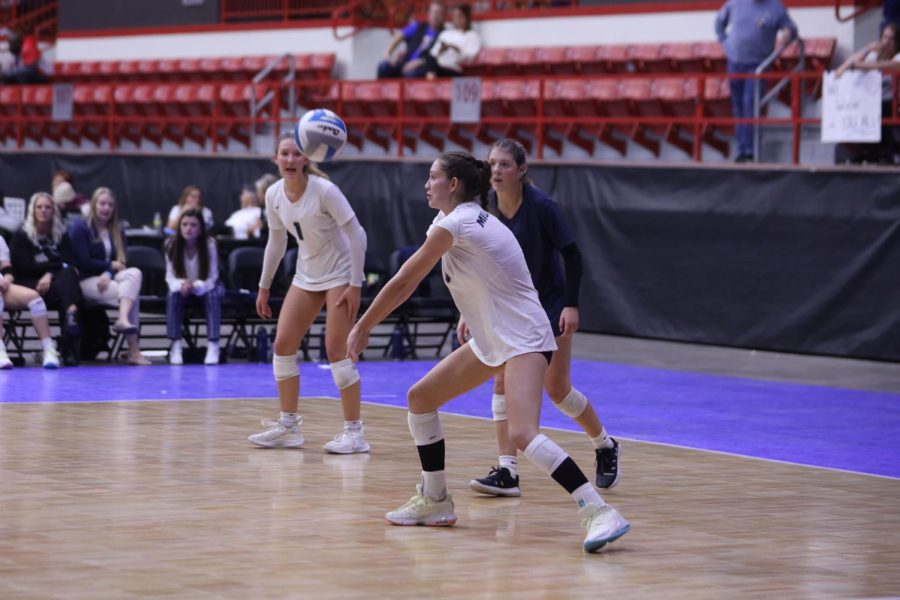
x=262 y=184
x=329 y=274
x=554 y=262
x=191 y=197
x=489 y=280
x=26 y=67
x=747 y=30
x=9 y=222
x=246 y=222
x=17 y=297
x=192 y=272
x=418 y=38
x=884 y=55
x=70 y=202
x=454 y=47
x=36 y=251
x=96 y=247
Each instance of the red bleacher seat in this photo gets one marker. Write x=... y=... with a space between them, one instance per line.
x=712 y=55
x=604 y=100
x=252 y=65
x=37 y=105
x=108 y=70
x=187 y=69
x=487 y=60
x=322 y=65
x=148 y=70
x=9 y=105
x=69 y=71
x=370 y=109
x=648 y=58
x=127 y=70
x=559 y=96
x=519 y=61
x=554 y=60
x=587 y=60
x=682 y=57
x=615 y=58
x=427 y=100
x=641 y=102
x=169 y=69
x=210 y=69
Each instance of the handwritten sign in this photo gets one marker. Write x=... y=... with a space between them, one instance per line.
x=62 y=102
x=851 y=107
x=466 y=104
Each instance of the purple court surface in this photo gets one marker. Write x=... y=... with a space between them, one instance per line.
x=827 y=427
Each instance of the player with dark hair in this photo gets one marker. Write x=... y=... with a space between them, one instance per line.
x=485 y=270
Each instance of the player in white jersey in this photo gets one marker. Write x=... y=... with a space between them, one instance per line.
x=329 y=273
x=485 y=270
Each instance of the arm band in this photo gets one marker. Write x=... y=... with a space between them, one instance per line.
x=356 y=236
x=573 y=267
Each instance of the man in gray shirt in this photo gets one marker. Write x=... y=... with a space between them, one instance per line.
x=747 y=30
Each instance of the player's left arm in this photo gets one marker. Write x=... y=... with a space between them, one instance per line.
x=572 y=264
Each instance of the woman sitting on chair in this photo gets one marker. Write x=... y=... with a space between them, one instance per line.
x=96 y=248
x=17 y=297
x=192 y=271
x=36 y=251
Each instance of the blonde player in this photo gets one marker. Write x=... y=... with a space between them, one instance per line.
x=485 y=270
x=329 y=273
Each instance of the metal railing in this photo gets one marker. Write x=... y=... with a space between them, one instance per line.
x=702 y=122
x=760 y=103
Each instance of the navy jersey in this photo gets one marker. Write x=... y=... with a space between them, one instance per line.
x=541 y=232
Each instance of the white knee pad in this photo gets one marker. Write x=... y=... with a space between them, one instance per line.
x=573 y=404
x=344 y=373
x=37 y=307
x=498 y=407
x=545 y=453
x=285 y=367
x=425 y=428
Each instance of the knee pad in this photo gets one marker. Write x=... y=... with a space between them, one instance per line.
x=425 y=428
x=285 y=367
x=344 y=373
x=573 y=404
x=498 y=407
x=545 y=453
x=37 y=307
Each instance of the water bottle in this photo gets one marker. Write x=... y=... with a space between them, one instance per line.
x=398 y=344
x=157 y=221
x=262 y=345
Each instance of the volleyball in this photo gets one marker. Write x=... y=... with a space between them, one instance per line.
x=320 y=134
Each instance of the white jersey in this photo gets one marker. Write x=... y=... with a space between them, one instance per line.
x=323 y=259
x=488 y=278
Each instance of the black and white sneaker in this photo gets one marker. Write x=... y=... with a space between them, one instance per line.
x=608 y=466
x=499 y=482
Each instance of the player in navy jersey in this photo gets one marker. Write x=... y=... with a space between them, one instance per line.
x=545 y=238
x=485 y=270
x=329 y=272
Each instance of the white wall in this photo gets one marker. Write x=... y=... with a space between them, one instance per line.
x=358 y=55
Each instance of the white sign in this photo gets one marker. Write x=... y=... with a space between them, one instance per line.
x=62 y=102
x=851 y=107
x=466 y=104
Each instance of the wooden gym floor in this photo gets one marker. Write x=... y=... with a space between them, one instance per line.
x=165 y=498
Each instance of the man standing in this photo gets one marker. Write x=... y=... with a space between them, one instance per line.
x=747 y=30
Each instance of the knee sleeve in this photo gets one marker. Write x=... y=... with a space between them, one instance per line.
x=425 y=428
x=573 y=404
x=344 y=373
x=498 y=407
x=37 y=307
x=285 y=367
x=544 y=453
